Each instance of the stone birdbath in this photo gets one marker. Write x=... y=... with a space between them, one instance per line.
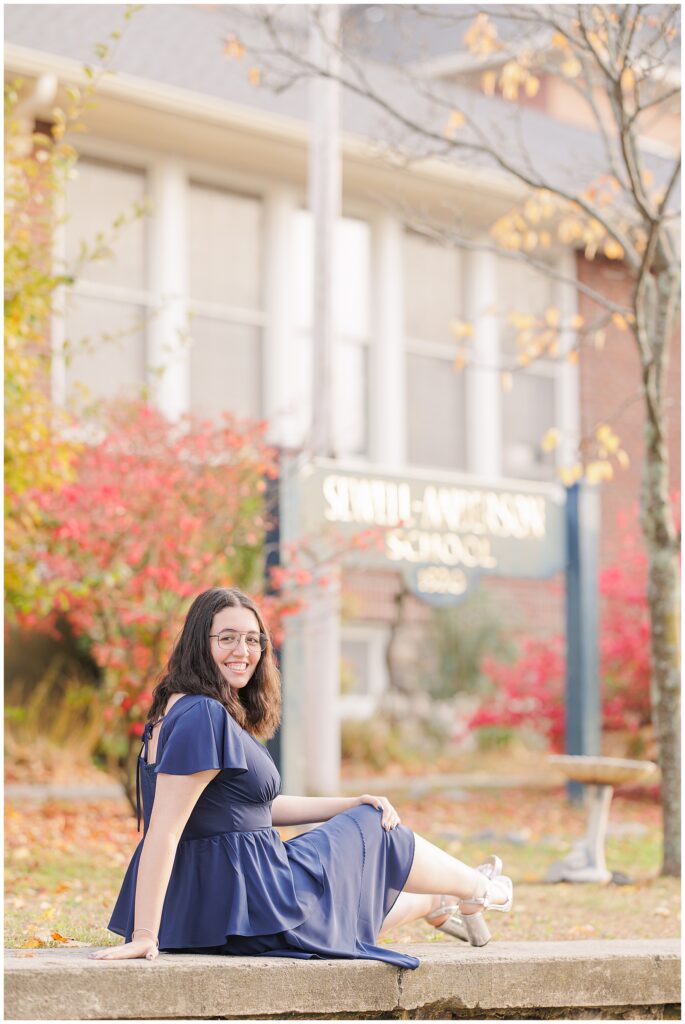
x=586 y=862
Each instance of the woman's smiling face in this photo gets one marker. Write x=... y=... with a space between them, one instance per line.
x=238 y=664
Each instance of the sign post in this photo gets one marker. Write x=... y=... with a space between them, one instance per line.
x=583 y=706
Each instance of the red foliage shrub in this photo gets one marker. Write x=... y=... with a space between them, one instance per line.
x=530 y=691
x=157 y=512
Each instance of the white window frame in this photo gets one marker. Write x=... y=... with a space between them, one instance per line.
x=485 y=449
x=143 y=298
x=354 y=211
x=225 y=313
x=387 y=344
x=362 y=706
x=164 y=288
x=434 y=350
x=543 y=371
x=564 y=373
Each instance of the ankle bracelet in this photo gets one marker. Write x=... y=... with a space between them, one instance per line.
x=149 y=931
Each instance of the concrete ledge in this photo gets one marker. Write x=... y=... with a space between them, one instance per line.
x=638 y=978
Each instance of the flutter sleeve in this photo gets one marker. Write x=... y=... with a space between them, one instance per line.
x=203 y=737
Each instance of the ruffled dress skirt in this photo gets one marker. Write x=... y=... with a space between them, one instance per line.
x=349 y=907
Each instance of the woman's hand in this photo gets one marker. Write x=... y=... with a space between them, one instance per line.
x=391 y=818
x=141 y=947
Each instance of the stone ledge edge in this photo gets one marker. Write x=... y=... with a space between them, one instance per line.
x=395 y=992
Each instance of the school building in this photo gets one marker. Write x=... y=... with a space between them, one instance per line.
x=215 y=284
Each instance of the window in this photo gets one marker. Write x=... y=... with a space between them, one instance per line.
x=105 y=313
x=435 y=412
x=435 y=392
x=432 y=275
x=107 y=343
x=225 y=247
x=529 y=409
x=520 y=289
x=351 y=310
x=363 y=671
x=528 y=412
x=225 y=368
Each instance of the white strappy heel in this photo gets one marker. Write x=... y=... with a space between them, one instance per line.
x=472 y=928
x=474 y=924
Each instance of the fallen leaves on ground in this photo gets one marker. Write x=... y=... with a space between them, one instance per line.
x=64 y=865
x=42 y=762
x=66 y=861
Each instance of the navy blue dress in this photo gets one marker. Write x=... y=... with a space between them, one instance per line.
x=235 y=887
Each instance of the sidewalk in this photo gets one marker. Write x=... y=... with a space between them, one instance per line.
x=415 y=787
x=455 y=785
x=42 y=792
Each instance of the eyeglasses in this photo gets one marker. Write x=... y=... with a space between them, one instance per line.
x=231 y=638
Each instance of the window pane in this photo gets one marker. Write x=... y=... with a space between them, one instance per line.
x=520 y=289
x=350 y=403
x=432 y=287
x=436 y=415
x=100 y=193
x=527 y=414
x=225 y=368
x=355 y=674
x=106 y=367
x=225 y=247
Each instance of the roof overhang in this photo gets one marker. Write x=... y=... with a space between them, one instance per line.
x=134 y=110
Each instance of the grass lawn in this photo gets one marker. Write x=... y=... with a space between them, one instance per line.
x=65 y=863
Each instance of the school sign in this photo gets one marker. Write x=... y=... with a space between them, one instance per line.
x=443 y=534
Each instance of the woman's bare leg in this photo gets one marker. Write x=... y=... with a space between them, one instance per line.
x=409 y=906
x=434 y=871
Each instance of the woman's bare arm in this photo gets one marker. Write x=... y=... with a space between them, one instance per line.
x=306 y=810
x=175 y=797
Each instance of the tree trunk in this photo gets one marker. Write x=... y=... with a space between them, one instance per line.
x=663 y=598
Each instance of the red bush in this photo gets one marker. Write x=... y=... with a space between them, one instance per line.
x=530 y=691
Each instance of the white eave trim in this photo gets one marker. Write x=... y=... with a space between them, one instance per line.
x=22 y=60
x=167 y=98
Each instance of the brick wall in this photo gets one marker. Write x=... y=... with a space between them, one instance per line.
x=610 y=392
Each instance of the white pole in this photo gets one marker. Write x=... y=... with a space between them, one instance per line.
x=324 y=203
x=322 y=623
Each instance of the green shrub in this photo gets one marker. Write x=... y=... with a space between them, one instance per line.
x=461 y=637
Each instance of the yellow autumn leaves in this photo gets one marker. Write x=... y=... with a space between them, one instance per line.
x=234 y=49
x=604 y=445
x=538 y=336
x=515 y=74
x=545 y=216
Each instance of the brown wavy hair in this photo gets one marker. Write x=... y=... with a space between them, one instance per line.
x=192 y=669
